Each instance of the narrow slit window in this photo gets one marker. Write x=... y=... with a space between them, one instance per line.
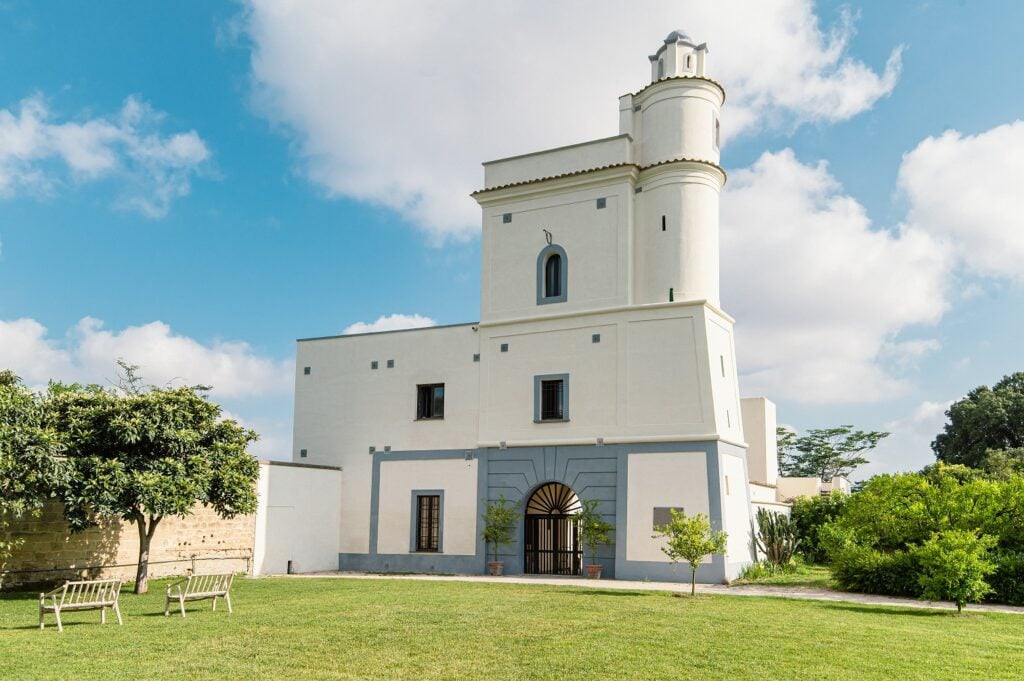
x=721 y=359
x=430 y=401
x=663 y=223
x=689 y=61
x=661 y=69
x=428 y=522
x=718 y=134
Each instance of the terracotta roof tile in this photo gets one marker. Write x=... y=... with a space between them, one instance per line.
x=593 y=170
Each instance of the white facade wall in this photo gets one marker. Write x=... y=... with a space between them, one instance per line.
x=596 y=242
x=648 y=379
x=759 y=425
x=677 y=121
x=298 y=519
x=665 y=480
x=736 y=515
x=343 y=407
x=684 y=255
x=553 y=162
x=455 y=478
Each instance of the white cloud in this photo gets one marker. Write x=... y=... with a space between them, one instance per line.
x=391 y=322
x=397 y=103
x=819 y=294
x=908 y=353
x=275 y=441
x=966 y=190
x=908 y=448
x=88 y=353
x=38 y=153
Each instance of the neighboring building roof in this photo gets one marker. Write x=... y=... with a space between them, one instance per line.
x=594 y=170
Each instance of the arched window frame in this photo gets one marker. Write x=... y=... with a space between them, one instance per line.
x=563 y=275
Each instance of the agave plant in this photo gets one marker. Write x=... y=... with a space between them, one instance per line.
x=776 y=537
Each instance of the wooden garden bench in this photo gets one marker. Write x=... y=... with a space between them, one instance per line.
x=98 y=594
x=198 y=588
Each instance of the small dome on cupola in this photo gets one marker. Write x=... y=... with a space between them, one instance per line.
x=678 y=55
x=677 y=35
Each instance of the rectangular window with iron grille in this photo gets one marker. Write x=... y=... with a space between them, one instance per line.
x=428 y=522
x=550 y=398
x=430 y=401
x=551 y=402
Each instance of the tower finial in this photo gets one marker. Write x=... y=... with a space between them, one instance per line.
x=678 y=56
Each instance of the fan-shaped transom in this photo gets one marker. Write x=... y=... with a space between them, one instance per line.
x=554 y=498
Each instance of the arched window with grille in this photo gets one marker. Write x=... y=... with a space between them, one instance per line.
x=552 y=275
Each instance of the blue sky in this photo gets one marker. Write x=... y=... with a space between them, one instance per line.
x=204 y=182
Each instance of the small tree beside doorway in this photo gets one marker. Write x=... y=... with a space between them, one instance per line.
x=500 y=520
x=595 y=532
x=690 y=539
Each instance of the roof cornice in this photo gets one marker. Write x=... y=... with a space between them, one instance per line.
x=636 y=167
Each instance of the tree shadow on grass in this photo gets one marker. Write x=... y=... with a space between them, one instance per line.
x=886 y=610
x=587 y=591
x=19 y=596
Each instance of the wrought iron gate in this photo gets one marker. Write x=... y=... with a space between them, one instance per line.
x=552 y=545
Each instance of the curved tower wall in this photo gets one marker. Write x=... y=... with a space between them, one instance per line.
x=676 y=231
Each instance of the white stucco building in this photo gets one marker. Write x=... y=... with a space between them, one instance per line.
x=602 y=367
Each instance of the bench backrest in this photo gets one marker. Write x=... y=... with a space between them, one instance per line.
x=202 y=584
x=86 y=592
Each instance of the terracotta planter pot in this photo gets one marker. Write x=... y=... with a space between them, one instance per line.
x=593 y=572
x=495 y=568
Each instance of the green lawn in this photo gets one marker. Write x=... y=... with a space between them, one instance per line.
x=347 y=628
x=800 y=575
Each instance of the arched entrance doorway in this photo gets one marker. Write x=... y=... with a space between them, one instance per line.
x=552 y=545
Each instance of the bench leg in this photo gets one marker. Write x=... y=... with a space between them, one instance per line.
x=117 y=611
x=103 y=615
x=181 y=604
x=167 y=606
x=215 y=604
x=227 y=599
x=56 y=613
x=41 y=624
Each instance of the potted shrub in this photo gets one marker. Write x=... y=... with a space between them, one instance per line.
x=595 y=532
x=500 y=520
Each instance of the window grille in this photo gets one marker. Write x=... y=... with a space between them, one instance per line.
x=428 y=522
x=551 y=400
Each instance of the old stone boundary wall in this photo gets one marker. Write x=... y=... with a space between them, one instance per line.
x=50 y=553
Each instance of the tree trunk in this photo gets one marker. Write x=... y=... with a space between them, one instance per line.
x=145 y=537
x=693 y=580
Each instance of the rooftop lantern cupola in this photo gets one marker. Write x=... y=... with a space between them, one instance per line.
x=678 y=56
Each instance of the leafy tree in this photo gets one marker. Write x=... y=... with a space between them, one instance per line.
x=500 y=520
x=690 y=539
x=144 y=453
x=595 y=531
x=874 y=544
x=824 y=452
x=29 y=466
x=986 y=419
x=810 y=515
x=954 y=566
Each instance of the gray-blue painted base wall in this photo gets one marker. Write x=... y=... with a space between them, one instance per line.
x=592 y=471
